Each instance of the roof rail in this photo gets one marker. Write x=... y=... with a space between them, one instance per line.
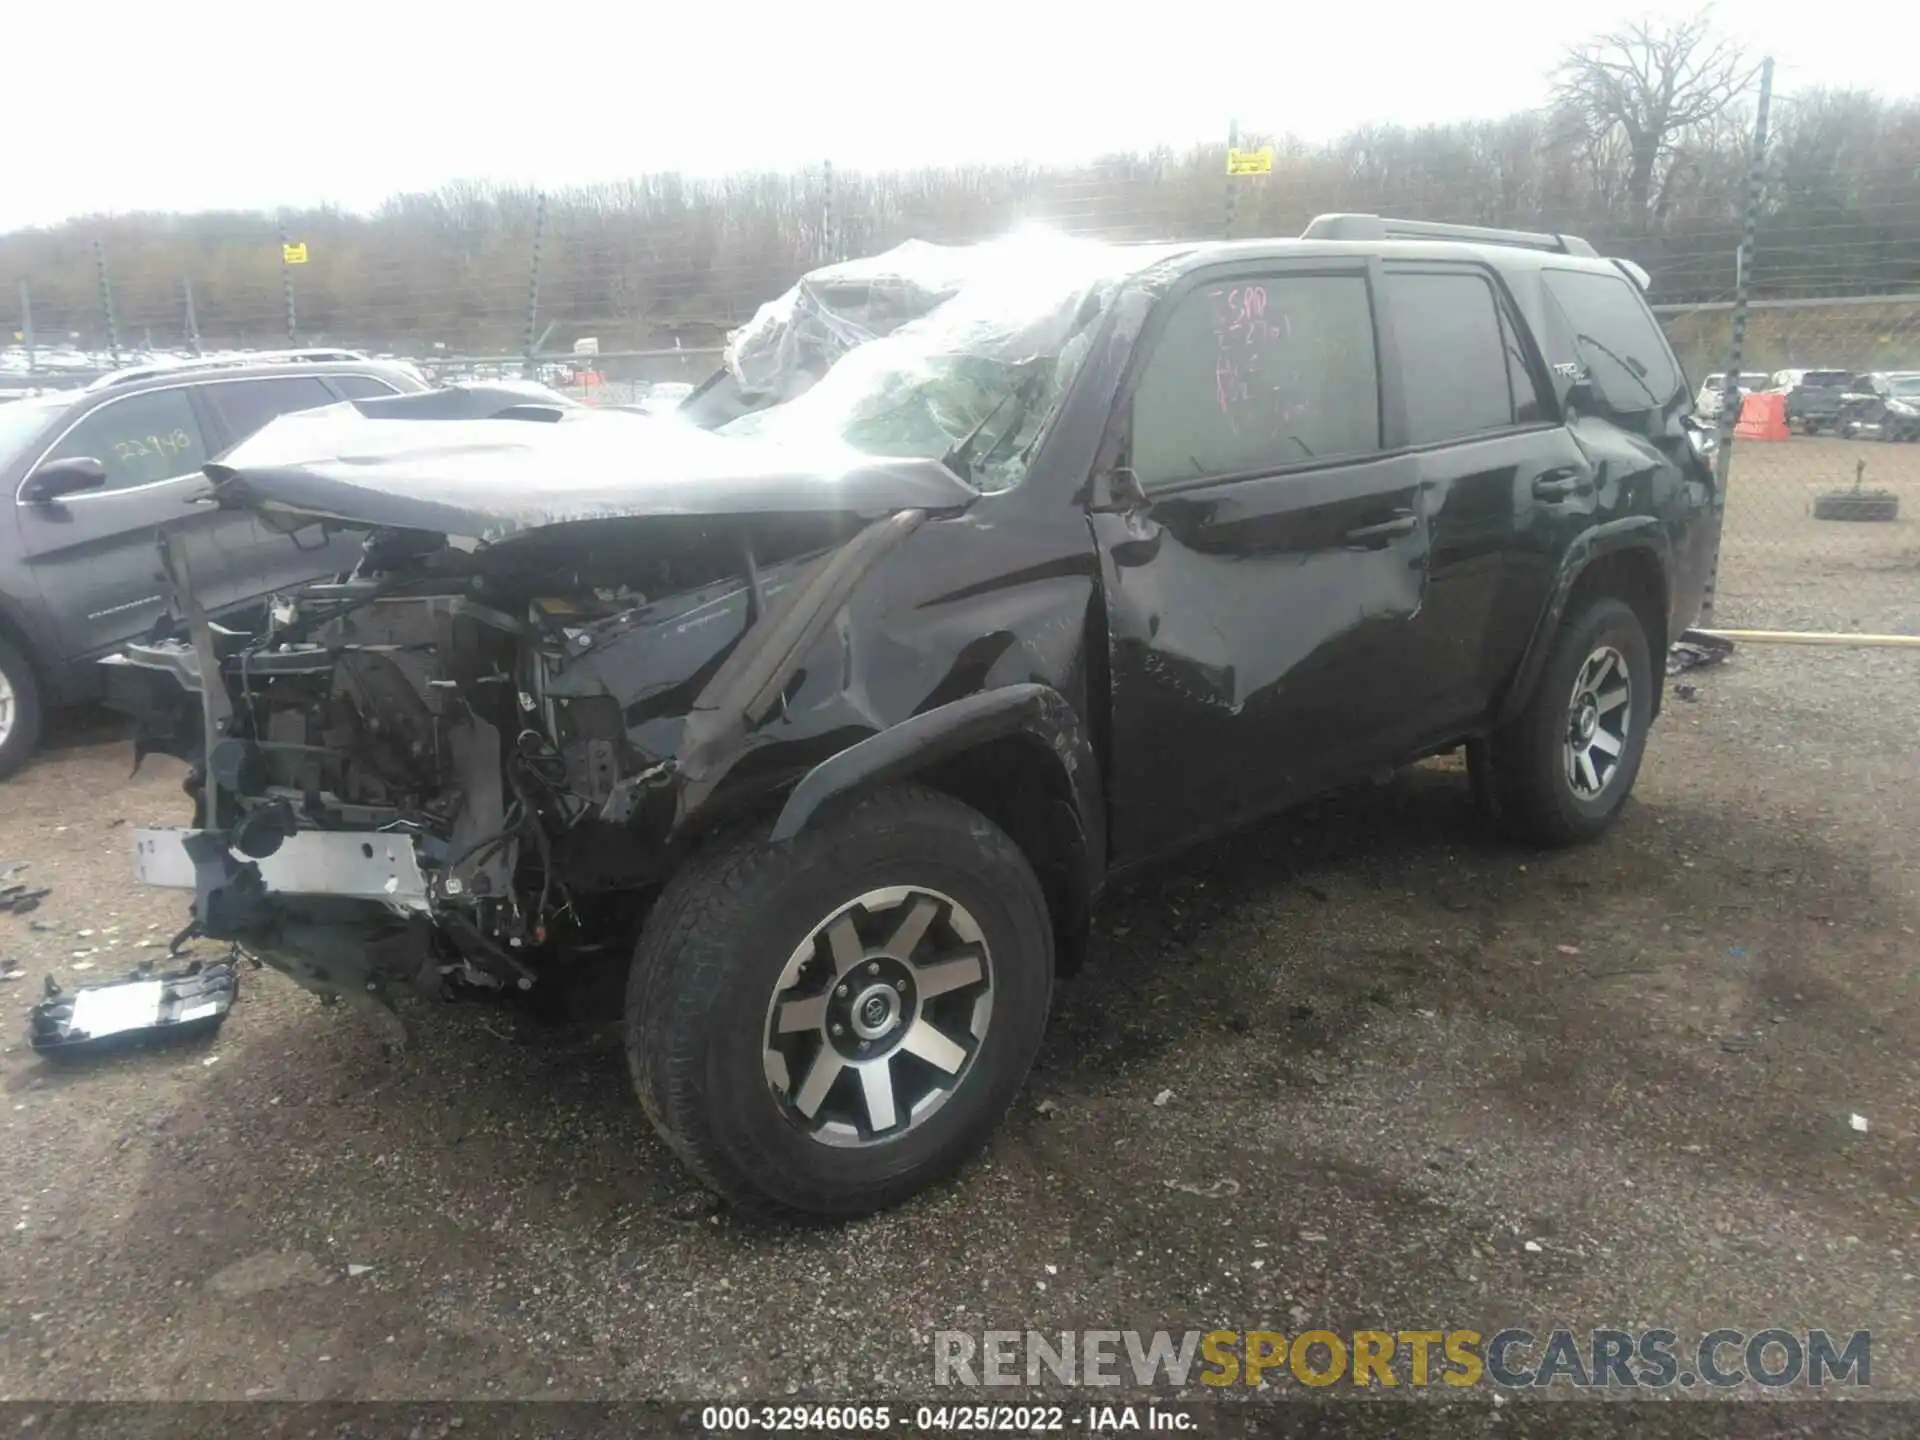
x=1375 y=227
x=230 y=361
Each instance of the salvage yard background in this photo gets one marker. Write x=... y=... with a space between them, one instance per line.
x=1413 y=1076
x=614 y=289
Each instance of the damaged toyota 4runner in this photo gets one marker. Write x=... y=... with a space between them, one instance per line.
x=975 y=578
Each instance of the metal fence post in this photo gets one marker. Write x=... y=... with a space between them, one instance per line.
x=286 y=285
x=193 y=322
x=26 y=327
x=829 y=237
x=1233 y=144
x=531 y=340
x=106 y=300
x=1730 y=391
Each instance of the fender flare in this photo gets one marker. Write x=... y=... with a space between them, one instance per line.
x=1635 y=532
x=1038 y=711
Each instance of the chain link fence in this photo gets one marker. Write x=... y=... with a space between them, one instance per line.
x=626 y=292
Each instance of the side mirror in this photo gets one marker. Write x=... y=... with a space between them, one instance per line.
x=1125 y=493
x=63 y=477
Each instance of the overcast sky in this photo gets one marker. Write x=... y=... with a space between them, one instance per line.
x=200 y=104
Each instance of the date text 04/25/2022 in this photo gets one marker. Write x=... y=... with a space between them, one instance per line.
x=945 y=1419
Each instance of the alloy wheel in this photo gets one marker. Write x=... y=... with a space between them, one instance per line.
x=1598 y=718
x=877 y=1016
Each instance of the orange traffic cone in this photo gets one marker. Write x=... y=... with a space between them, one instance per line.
x=1762 y=417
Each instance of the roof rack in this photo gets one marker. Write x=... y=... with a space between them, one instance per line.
x=1375 y=227
x=230 y=361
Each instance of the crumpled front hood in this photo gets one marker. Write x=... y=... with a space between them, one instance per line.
x=491 y=478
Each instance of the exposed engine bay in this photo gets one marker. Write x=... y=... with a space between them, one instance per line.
x=578 y=640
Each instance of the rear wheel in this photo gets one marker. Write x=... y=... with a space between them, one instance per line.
x=19 y=708
x=1561 y=771
x=823 y=1027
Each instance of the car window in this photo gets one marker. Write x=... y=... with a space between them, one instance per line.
x=24 y=421
x=1455 y=367
x=1254 y=374
x=139 y=438
x=1614 y=339
x=362 y=387
x=245 y=405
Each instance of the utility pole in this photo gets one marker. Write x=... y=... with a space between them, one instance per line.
x=193 y=323
x=1743 y=273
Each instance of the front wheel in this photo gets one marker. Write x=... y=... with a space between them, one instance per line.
x=822 y=1027
x=1561 y=771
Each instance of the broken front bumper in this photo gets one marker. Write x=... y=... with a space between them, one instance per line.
x=348 y=865
x=344 y=914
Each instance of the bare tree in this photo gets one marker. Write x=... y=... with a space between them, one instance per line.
x=1637 y=96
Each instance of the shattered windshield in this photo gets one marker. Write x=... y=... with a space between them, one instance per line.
x=930 y=351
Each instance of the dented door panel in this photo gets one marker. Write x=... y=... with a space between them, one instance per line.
x=1259 y=632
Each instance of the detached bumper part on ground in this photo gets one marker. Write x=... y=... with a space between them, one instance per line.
x=176 y=1005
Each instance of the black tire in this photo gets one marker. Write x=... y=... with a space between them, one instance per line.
x=23 y=729
x=711 y=959
x=1535 y=796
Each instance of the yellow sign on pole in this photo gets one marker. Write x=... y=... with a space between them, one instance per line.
x=1250 y=162
x=294 y=254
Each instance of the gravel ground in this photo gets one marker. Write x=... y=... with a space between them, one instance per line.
x=1418 y=1078
x=1781 y=569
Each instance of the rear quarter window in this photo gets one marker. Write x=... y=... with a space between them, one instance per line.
x=1613 y=338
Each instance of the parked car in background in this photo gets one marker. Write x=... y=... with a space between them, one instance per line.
x=979 y=576
x=1813 y=397
x=1712 y=394
x=1884 y=405
x=94 y=473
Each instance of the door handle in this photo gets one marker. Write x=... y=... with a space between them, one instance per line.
x=1560 y=484
x=1402 y=524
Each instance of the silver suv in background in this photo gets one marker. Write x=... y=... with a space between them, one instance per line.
x=93 y=474
x=1713 y=390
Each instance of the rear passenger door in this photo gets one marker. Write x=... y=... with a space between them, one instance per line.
x=1499 y=479
x=1260 y=601
x=263 y=560
x=1628 y=414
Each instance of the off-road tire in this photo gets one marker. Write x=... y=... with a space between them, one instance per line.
x=711 y=954
x=1857 y=505
x=24 y=733
x=1527 y=771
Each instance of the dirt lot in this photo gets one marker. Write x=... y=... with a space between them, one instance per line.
x=1418 y=1078
x=1782 y=569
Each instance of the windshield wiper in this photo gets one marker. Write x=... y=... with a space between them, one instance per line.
x=959 y=455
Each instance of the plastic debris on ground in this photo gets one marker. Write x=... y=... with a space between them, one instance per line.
x=16 y=896
x=179 y=1004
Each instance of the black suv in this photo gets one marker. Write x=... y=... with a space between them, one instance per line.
x=978 y=577
x=95 y=472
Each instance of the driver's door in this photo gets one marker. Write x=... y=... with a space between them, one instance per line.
x=93 y=553
x=1262 y=585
